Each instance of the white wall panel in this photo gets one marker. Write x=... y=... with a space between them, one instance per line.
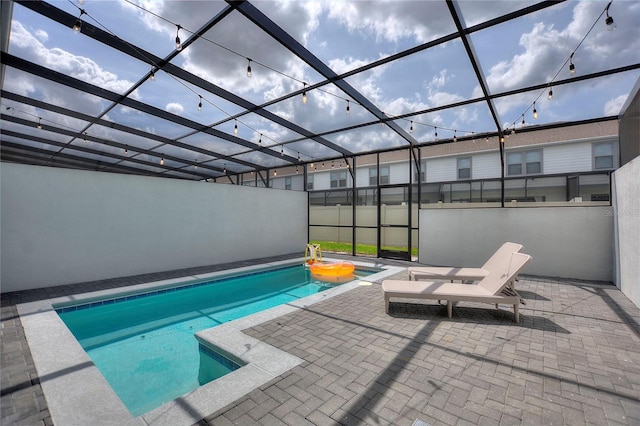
x=569 y=242
x=61 y=226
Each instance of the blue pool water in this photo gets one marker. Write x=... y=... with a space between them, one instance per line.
x=145 y=345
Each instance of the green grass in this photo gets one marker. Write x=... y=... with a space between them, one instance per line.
x=361 y=249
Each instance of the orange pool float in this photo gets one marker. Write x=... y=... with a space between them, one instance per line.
x=337 y=269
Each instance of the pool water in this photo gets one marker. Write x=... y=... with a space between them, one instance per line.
x=145 y=345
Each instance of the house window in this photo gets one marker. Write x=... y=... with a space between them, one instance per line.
x=339 y=179
x=464 y=168
x=309 y=182
x=527 y=162
x=287 y=182
x=423 y=172
x=603 y=156
x=384 y=175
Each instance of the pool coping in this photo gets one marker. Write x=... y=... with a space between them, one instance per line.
x=78 y=394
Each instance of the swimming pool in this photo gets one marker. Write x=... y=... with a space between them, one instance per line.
x=78 y=394
x=145 y=345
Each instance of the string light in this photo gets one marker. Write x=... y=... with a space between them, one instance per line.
x=572 y=68
x=455 y=138
x=501 y=139
x=224 y=168
x=281 y=150
x=535 y=111
x=195 y=165
x=78 y=25
x=523 y=120
x=126 y=150
x=235 y=127
x=260 y=140
x=249 y=68
x=178 y=43
x=39 y=123
x=162 y=161
x=298 y=158
x=304 y=94
x=200 y=104
x=152 y=77
x=550 y=95
x=275 y=172
x=609 y=20
x=84 y=137
x=348 y=109
x=411 y=128
x=436 y=133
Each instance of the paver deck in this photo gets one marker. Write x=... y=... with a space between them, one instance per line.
x=573 y=359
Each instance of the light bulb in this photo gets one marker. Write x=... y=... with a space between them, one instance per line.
x=304 y=97
x=455 y=138
x=281 y=151
x=275 y=173
x=610 y=24
x=78 y=24
x=348 y=109
x=126 y=150
x=411 y=128
x=572 y=68
x=178 y=43
x=436 y=133
x=523 y=121
x=535 y=111
x=162 y=161
x=260 y=139
x=39 y=123
x=550 y=95
x=609 y=20
x=501 y=139
x=235 y=128
x=249 y=68
x=152 y=77
x=200 y=104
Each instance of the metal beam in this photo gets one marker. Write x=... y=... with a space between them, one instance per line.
x=75 y=134
x=81 y=116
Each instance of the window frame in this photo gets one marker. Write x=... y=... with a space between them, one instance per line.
x=458 y=168
x=524 y=164
x=340 y=183
x=594 y=157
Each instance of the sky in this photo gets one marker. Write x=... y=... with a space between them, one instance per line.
x=345 y=35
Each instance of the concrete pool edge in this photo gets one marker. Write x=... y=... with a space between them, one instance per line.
x=77 y=393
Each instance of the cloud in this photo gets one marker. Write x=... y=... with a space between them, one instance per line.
x=83 y=68
x=174 y=108
x=613 y=106
x=392 y=20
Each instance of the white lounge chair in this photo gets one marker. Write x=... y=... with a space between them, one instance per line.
x=464 y=274
x=496 y=287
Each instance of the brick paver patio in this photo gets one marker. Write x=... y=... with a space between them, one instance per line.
x=574 y=359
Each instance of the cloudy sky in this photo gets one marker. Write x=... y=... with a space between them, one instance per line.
x=345 y=35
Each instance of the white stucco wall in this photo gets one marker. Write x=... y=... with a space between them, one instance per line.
x=568 y=242
x=626 y=211
x=60 y=226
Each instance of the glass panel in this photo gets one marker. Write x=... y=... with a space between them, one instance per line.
x=595 y=187
x=603 y=162
x=514 y=169
x=367 y=241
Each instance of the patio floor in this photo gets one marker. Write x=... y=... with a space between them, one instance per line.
x=573 y=359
